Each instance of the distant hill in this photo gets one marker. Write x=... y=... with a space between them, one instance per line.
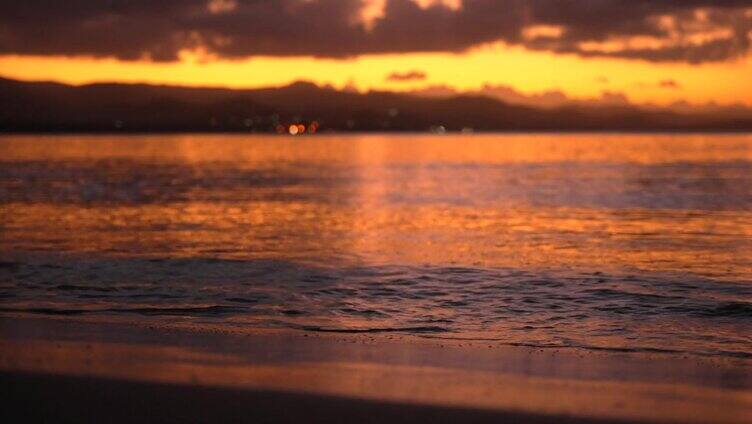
x=52 y=107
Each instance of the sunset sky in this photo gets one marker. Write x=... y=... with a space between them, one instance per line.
x=650 y=51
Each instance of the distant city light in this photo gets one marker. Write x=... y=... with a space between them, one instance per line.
x=299 y=129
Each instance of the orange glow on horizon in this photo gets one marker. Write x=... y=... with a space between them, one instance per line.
x=497 y=64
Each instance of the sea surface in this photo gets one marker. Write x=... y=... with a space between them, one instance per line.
x=590 y=241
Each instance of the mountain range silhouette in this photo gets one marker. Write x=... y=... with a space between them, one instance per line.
x=104 y=107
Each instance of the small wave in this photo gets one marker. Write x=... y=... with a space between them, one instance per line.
x=241 y=300
x=46 y=311
x=214 y=310
x=635 y=349
x=72 y=287
x=564 y=308
x=730 y=310
x=9 y=265
x=414 y=330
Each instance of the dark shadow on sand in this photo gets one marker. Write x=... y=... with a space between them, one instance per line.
x=62 y=399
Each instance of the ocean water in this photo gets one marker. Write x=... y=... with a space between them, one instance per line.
x=588 y=241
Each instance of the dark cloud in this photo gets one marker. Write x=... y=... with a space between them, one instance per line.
x=508 y=94
x=689 y=30
x=406 y=76
x=669 y=84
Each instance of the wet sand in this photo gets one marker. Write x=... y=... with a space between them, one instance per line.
x=72 y=370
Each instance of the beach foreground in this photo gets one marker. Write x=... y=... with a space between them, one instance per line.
x=72 y=370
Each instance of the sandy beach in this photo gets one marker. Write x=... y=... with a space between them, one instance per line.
x=77 y=371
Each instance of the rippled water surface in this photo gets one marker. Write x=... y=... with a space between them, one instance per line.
x=618 y=242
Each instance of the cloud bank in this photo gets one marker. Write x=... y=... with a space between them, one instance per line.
x=508 y=94
x=406 y=76
x=692 y=31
